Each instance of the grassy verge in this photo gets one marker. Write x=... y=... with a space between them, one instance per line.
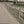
x=19 y=4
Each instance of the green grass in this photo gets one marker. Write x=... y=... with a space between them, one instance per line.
x=19 y=4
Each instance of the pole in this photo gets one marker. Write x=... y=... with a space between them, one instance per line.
x=16 y=1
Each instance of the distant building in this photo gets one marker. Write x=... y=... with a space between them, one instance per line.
x=20 y=0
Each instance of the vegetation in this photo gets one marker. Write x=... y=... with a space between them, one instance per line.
x=3 y=0
x=19 y=4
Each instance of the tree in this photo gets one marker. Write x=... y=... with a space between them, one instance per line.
x=0 y=0
x=5 y=0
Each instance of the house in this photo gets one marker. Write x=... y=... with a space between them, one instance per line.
x=20 y=0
